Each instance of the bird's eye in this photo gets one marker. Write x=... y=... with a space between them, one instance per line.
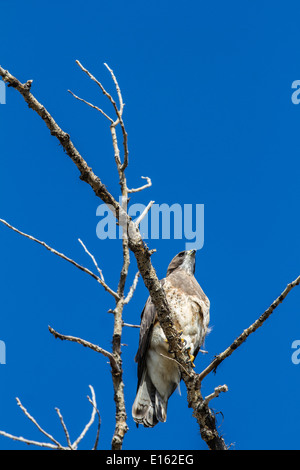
x=181 y=254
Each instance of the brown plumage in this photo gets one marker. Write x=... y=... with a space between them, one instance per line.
x=158 y=376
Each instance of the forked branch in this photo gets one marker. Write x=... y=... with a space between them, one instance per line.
x=54 y=443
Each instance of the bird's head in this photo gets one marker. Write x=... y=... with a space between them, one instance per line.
x=185 y=260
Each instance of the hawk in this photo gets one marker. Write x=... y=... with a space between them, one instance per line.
x=158 y=376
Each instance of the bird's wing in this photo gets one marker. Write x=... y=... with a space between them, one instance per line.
x=147 y=321
x=204 y=310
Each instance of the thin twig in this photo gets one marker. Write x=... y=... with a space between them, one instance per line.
x=216 y=393
x=56 y=444
x=61 y=255
x=116 y=152
x=119 y=114
x=141 y=188
x=117 y=88
x=87 y=344
x=93 y=259
x=30 y=442
x=131 y=326
x=86 y=173
x=178 y=363
x=117 y=111
x=99 y=85
x=64 y=427
x=31 y=418
x=202 y=351
x=92 y=419
x=143 y=214
x=99 y=422
x=91 y=105
x=132 y=288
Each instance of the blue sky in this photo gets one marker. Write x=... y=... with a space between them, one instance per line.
x=209 y=115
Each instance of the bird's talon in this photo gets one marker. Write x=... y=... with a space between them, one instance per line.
x=191 y=361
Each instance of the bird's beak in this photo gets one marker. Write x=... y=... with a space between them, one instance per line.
x=192 y=252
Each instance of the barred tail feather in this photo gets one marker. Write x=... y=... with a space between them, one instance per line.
x=148 y=408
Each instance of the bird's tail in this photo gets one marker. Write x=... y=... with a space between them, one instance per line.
x=149 y=407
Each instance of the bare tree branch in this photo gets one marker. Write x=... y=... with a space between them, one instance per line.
x=89 y=424
x=87 y=344
x=61 y=255
x=141 y=188
x=117 y=88
x=108 y=95
x=178 y=363
x=120 y=120
x=131 y=326
x=118 y=112
x=91 y=105
x=132 y=288
x=116 y=151
x=121 y=426
x=64 y=427
x=93 y=259
x=143 y=214
x=31 y=418
x=243 y=336
x=31 y=442
x=56 y=444
x=93 y=403
x=216 y=393
x=86 y=173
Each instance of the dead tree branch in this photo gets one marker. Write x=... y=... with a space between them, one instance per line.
x=89 y=345
x=132 y=288
x=143 y=214
x=94 y=404
x=131 y=326
x=93 y=259
x=89 y=424
x=54 y=444
x=141 y=188
x=243 y=336
x=61 y=255
x=64 y=427
x=216 y=393
x=31 y=418
x=91 y=105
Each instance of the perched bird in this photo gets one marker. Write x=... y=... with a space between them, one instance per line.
x=158 y=376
